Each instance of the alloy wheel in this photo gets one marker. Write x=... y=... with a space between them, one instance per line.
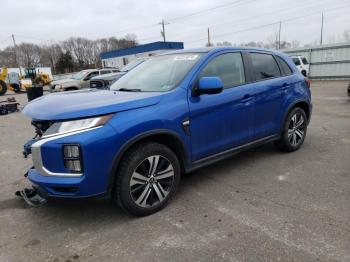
x=296 y=129
x=151 y=181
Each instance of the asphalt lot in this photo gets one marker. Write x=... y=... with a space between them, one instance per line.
x=261 y=205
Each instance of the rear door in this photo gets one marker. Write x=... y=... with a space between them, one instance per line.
x=269 y=93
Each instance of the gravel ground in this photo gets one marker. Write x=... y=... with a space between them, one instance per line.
x=260 y=205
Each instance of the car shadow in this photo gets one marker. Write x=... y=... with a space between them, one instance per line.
x=228 y=167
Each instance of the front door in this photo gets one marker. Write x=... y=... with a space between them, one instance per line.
x=86 y=81
x=222 y=121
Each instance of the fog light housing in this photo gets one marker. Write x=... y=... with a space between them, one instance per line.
x=72 y=158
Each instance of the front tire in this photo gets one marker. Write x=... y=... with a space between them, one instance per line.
x=147 y=179
x=294 y=131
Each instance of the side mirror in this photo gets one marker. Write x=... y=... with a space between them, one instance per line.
x=209 y=85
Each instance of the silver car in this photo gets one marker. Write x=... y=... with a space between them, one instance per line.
x=79 y=80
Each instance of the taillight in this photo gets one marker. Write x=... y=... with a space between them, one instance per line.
x=308 y=82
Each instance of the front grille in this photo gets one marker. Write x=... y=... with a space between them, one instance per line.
x=99 y=84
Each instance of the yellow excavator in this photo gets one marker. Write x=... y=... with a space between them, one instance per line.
x=36 y=76
x=3 y=85
x=23 y=83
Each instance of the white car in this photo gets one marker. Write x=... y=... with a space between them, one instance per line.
x=301 y=63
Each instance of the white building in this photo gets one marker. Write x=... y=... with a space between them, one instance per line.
x=121 y=57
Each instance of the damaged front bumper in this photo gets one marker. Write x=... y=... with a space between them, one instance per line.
x=34 y=197
x=50 y=174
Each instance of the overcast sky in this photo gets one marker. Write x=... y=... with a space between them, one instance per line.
x=40 y=21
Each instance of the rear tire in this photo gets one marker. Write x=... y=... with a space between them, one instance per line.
x=147 y=179
x=3 y=88
x=294 y=131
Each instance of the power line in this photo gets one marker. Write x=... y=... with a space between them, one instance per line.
x=238 y=2
x=203 y=11
x=270 y=24
x=237 y=21
x=259 y=16
x=5 y=40
x=235 y=3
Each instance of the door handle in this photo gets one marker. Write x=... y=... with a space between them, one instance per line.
x=284 y=86
x=246 y=98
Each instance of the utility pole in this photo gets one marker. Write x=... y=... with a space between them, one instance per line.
x=15 y=51
x=163 y=23
x=321 y=40
x=209 y=44
x=279 y=36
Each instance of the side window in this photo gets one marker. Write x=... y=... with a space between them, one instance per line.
x=305 y=62
x=284 y=66
x=91 y=75
x=229 y=67
x=264 y=66
x=296 y=61
x=105 y=72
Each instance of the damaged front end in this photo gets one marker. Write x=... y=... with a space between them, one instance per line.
x=40 y=128
x=32 y=196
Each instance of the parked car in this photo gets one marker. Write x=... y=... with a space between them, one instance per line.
x=302 y=64
x=105 y=81
x=172 y=114
x=349 y=89
x=79 y=80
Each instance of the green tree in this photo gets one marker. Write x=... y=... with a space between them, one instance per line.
x=65 y=63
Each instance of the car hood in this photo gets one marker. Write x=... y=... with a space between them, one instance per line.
x=86 y=103
x=62 y=81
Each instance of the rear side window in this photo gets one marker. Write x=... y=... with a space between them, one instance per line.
x=103 y=72
x=229 y=67
x=264 y=66
x=305 y=62
x=285 y=69
x=296 y=61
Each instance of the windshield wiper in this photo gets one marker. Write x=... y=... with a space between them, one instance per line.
x=129 y=90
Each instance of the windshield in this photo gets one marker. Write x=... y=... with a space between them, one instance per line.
x=80 y=75
x=158 y=74
x=131 y=65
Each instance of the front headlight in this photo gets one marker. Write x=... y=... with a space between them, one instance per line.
x=59 y=128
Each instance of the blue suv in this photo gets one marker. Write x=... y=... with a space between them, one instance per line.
x=172 y=114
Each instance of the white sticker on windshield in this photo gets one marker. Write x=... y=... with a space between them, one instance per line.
x=185 y=57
